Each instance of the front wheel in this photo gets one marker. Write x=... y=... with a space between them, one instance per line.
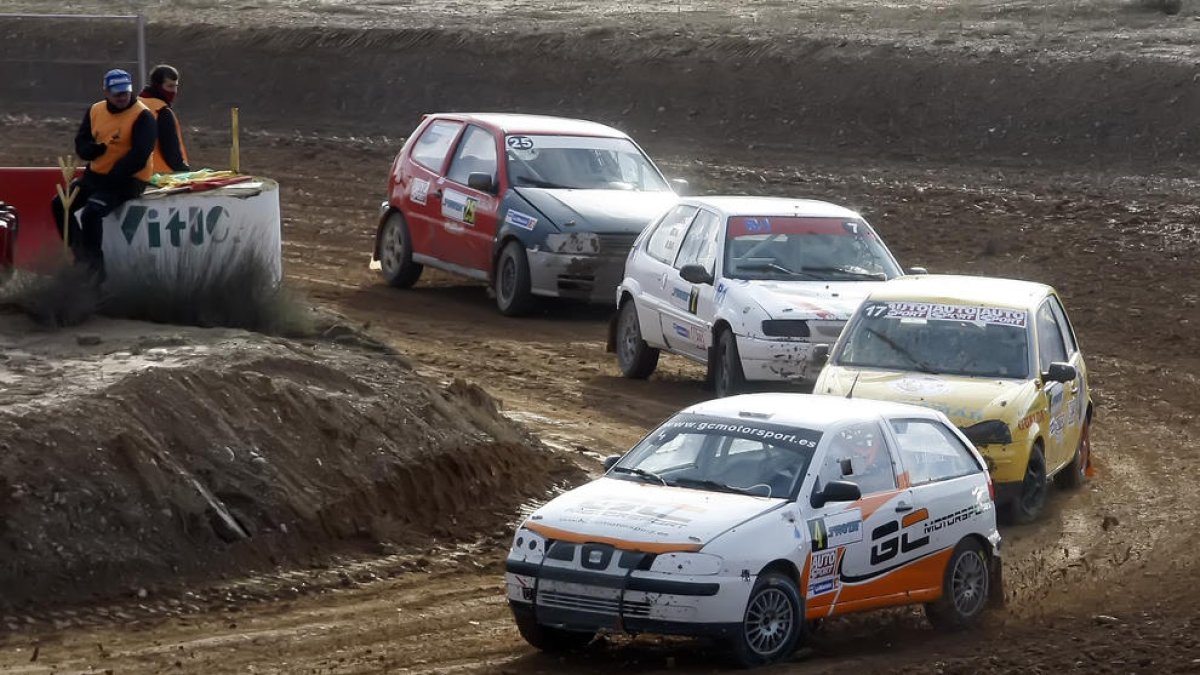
x=395 y=253
x=1027 y=505
x=726 y=367
x=513 y=294
x=772 y=624
x=965 y=588
x=636 y=358
x=550 y=639
x=1075 y=475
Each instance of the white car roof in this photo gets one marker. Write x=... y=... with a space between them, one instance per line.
x=809 y=411
x=770 y=206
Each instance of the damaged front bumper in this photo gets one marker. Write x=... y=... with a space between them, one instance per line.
x=580 y=265
x=774 y=359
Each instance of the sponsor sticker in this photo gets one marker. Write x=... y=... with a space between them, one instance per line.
x=458 y=206
x=941 y=312
x=836 y=530
x=681 y=331
x=518 y=219
x=822 y=588
x=722 y=290
x=418 y=190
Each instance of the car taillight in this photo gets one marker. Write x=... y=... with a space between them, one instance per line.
x=992 y=489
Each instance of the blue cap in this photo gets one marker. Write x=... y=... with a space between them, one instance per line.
x=117 y=80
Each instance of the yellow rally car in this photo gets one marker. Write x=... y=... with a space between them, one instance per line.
x=997 y=356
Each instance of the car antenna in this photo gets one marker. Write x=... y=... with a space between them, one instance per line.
x=850 y=394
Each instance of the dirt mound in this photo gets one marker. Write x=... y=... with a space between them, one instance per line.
x=134 y=455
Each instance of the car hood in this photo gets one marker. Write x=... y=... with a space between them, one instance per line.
x=965 y=400
x=631 y=513
x=600 y=211
x=829 y=300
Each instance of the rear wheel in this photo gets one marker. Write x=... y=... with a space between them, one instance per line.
x=550 y=639
x=772 y=624
x=636 y=358
x=513 y=294
x=965 y=588
x=1027 y=505
x=395 y=253
x=1075 y=475
x=726 y=368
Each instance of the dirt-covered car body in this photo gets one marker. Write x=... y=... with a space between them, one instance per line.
x=998 y=356
x=570 y=196
x=733 y=495
x=778 y=276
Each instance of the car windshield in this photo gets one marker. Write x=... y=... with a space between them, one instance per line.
x=938 y=338
x=743 y=456
x=791 y=248
x=580 y=163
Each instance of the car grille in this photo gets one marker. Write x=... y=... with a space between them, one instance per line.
x=589 y=603
x=616 y=244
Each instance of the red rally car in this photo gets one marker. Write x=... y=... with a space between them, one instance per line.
x=533 y=205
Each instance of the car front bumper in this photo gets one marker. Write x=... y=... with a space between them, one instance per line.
x=779 y=359
x=582 y=600
x=580 y=276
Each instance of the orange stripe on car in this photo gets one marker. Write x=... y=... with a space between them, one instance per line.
x=920 y=581
x=623 y=544
x=915 y=517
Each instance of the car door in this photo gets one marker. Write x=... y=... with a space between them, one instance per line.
x=847 y=539
x=950 y=500
x=1060 y=397
x=688 y=311
x=1076 y=390
x=469 y=214
x=651 y=266
x=421 y=184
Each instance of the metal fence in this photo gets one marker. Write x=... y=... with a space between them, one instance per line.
x=55 y=62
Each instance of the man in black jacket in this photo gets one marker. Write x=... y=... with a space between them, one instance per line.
x=170 y=155
x=116 y=138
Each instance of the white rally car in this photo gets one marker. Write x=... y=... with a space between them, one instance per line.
x=746 y=285
x=747 y=517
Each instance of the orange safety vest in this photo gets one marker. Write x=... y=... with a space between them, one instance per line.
x=157 y=161
x=115 y=131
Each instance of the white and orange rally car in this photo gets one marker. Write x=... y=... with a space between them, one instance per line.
x=745 y=518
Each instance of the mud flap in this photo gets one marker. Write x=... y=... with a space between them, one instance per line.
x=995 y=582
x=610 y=345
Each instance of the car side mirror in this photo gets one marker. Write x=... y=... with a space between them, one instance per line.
x=837 y=491
x=481 y=181
x=695 y=274
x=916 y=270
x=1060 y=372
x=820 y=355
x=679 y=185
x=611 y=461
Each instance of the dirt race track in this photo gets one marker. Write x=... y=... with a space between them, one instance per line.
x=1054 y=144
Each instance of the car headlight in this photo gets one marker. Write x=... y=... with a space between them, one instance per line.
x=527 y=545
x=586 y=243
x=793 y=328
x=695 y=564
x=991 y=432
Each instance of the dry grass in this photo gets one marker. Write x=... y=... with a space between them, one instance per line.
x=243 y=295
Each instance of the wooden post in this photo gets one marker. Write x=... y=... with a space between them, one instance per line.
x=234 y=152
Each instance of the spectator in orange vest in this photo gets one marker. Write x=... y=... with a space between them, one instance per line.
x=116 y=139
x=170 y=154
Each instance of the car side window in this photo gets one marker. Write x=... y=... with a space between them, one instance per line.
x=476 y=154
x=1050 y=338
x=862 y=449
x=700 y=245
x=664 y=242
x=930 y=452
x=1068 y=333
x=434 y=143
